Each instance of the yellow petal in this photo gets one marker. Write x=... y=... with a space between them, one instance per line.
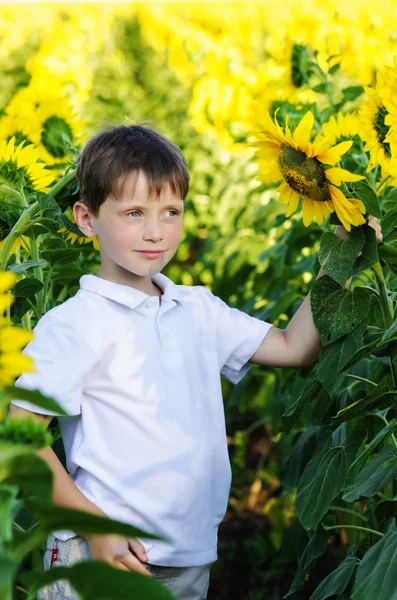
x=293 y=201
x=308 y=211
x=301 y=134
x=348 y=212
x=268 y=151
x=333 y=155
x=7 y=280
x=336 y=175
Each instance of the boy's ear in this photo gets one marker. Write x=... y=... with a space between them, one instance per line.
x=83 y=218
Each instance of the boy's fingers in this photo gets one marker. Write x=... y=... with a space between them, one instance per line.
x=138 y=549
x=133 y=564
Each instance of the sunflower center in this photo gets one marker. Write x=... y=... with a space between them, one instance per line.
x=56 y=133
x=304 y=175
x=301 y=65
x=382 y=129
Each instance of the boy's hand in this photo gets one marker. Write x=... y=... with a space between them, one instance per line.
x=341 y=232
x=126 y=554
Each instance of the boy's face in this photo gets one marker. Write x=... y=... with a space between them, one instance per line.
x=128 y=226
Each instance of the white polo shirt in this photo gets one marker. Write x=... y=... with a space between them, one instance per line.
x=146 y=439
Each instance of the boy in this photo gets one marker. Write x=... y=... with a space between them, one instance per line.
x=135 y=360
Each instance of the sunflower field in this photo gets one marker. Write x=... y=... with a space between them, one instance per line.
x=287 y=116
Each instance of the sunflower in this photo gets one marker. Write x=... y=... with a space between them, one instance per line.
x=301 y=164
x=378 y=118
x=12 y=339
x=45 y=118
x=19 y=166
x=341 y=127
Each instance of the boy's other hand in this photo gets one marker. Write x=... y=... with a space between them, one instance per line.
x=126 y=554
x=341 y=232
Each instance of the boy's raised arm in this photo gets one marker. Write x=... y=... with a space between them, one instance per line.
x=299 y=344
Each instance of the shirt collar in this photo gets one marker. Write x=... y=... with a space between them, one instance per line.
x=124 y=294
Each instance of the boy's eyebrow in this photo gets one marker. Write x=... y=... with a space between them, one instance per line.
x=133 y=205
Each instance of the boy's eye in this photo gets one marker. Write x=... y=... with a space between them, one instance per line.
x=137 y=212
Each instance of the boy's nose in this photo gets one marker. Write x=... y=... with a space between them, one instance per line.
x=153 y=231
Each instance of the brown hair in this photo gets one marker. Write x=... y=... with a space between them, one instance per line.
x=111 y=155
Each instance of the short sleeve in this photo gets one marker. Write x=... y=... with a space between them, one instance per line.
x=62 y=358
x=238 y=337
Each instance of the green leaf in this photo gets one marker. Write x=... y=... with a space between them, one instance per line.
x=49 y=206
x=389 y=222
x=369 y=251
x=94 y=580
x=376 y=575
x=25 y=266
x=364 y=192
x=337 y=311
x=379 y=397
x=61 y=256
x=361 y=459
x=388 y=254
x=375 y=475
x=312 y=391
x=27 y=287
x=333 y=358
x=30 y=473
x=385 y=510
x=35 y=396
x=337 y=256
x=334 y=69
x=52 y=517
x=297 y=459
x=337 y=581
x=323 y=479
x=352 y=92
x=315 y=548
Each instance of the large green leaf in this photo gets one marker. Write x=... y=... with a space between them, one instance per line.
x=388 y=254
x=297 y=459
x=375 y=475
x=337 y=311
x=323 y=479
x=333 y=358
x=369 y=253
x=27 y=287
x=380 y=396
x=362 y=191
x=52 y=517
x=337 y=256
x=94 y=580
x=376 y=575
x=313 y=391
x=363 y=456
x=315 y=548
x=337 y=581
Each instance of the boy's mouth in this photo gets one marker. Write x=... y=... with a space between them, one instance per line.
x=150 y=253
